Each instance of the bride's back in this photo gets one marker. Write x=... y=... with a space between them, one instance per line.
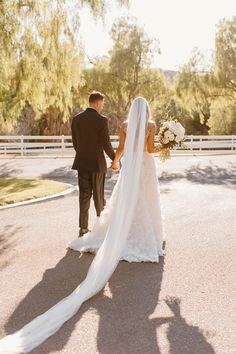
x=149 y=134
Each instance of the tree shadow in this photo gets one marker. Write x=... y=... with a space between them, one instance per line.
x=6 y=170
x=62 y=174
x=182 y=337
x=67 y=175
x=14 y=185
x=7 y=242
x=213 y=174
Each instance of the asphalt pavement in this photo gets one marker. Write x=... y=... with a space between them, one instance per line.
x=186 y=304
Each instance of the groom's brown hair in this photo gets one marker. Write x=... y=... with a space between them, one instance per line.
x=96 y=96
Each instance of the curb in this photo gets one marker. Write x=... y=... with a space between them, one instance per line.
x=42 y=199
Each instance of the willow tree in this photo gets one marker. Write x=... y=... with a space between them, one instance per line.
x=223 y=117
x=212 y=94
x=225 y=56
x=223 y=108
x=193 y=89
x=41 y=60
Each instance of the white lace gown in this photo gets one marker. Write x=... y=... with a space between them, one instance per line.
x=146 y=235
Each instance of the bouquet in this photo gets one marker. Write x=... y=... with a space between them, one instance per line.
x=171 y=134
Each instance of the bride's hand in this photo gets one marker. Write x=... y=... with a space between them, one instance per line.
x=115 y=166
x=159 y=148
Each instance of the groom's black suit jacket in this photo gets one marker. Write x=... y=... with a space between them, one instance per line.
x=90 y=138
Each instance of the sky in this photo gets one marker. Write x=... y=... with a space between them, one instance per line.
x=179 y=25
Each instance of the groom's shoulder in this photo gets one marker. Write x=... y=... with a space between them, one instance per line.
x=78 y=115
x=103 y=118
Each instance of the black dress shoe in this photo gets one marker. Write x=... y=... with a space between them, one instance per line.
x=83 y=231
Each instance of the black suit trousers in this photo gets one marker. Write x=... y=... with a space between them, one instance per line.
x=90 y=184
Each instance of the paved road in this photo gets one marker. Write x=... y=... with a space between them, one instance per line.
x=183 y=305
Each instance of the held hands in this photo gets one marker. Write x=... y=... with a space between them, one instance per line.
x=115 y=166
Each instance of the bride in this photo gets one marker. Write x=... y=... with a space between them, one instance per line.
x=145 y=235
x=130 y=228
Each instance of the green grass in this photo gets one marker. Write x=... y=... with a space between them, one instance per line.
x=19 y=190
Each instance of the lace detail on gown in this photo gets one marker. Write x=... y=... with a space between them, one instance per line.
x=145 y=238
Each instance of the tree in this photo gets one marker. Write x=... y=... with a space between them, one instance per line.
x=131 y=53
x=223 y=117
x=223 y=105
x=125 y=73
x=192 y=87
x=225 y=56
x=211 y=94
x=41 y=61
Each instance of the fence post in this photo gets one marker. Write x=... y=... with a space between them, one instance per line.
x=63 y=144
x=232 y=142
x=200 y=144
x=191 y=143
x=22 y=145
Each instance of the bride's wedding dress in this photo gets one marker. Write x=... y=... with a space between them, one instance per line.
x=145 y=237
x=130 y=228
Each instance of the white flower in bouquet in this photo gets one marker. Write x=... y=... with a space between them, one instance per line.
x=166 y=125
x=180 y=129
x=171 y=134
x=174 y=129
x=180 y=136
x=172 y=126
x=165 y=140
x=167 y=135
x=178 y=139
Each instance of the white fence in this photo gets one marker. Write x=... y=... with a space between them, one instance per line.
x=62 y=145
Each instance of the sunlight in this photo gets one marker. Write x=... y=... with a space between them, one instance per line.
x=180 y=26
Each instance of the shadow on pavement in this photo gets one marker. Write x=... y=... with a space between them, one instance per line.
x=214 y=175
x=134 y=287
x=8 y=170
x=211 y=174
x=67 y=175
x=182 y=337
x=62 y=174
x=56 y=284
x=124 y=308
x=7 y=242
x=124 y=324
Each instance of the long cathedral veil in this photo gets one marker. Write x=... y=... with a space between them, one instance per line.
x=108 y=255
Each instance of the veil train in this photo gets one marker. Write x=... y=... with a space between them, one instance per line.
x=108 y=255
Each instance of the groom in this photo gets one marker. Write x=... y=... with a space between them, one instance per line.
x=90 y=138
